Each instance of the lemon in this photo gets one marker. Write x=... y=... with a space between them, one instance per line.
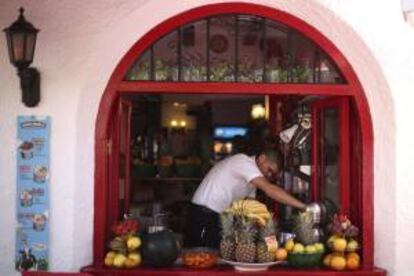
x=110 y=254
x=119 y=260
x=136 y=257
x=289 y=245
x=339 y=245
x=133 y=243
x=109 y=261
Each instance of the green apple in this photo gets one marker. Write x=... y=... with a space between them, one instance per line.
x=320 y=248
x=352 y=246
x=310 y=249
x=298 y=248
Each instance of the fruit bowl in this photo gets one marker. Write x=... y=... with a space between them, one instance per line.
x=305 y=260
x=246 y=267
x=199 y=257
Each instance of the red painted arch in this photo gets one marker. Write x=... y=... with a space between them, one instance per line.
x=117 y=86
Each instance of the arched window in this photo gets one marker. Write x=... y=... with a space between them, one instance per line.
x=240 y=48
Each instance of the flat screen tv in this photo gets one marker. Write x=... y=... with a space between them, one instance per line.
x=229 y=132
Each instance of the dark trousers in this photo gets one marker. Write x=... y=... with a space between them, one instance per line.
x=202 y=227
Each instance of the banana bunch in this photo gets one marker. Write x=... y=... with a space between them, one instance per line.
x=252 y=209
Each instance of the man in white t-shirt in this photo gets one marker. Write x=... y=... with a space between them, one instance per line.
x=233 y=178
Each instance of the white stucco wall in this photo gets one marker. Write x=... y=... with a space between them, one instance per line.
x=80 y=44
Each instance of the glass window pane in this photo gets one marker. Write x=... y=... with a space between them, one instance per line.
x=331 y=154
x=303 y=54
x=250 y=54
x=327 y=71
x=141 y=69
x=275 y=46
x=165 y=58
x=222 y=48
x=266 y=51
x=194 y=51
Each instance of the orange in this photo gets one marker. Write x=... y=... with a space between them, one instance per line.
x=352 y=263
x=353 y=255
x=327 y=260
x=281 y=254
x=338 y=263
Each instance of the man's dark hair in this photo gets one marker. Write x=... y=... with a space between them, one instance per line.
x=273 y=155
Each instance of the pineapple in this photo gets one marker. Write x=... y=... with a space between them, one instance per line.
x=267 y=252
x=304 y=229
x=246 y=247
x=227 y=244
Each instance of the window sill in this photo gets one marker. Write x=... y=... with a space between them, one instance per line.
x=226 y=271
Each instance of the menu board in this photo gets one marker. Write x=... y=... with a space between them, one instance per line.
x=32 y=232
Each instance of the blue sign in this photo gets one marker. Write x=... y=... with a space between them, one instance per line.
x=32 y=233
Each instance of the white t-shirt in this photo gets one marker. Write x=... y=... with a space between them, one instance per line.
x=227 y=181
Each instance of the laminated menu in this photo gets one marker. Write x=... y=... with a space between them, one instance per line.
x=32 y=198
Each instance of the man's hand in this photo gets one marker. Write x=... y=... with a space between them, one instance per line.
x=276 y=193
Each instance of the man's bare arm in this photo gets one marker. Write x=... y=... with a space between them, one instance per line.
x=277 y=193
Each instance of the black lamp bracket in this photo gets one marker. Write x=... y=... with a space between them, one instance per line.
x=30 y=85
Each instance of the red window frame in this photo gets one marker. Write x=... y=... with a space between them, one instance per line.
x=117 y=87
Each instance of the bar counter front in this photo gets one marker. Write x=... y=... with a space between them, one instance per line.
x=228 y=271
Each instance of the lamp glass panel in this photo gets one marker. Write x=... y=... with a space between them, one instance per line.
x=30 y=46
x=275 y=46
x=250 y=54
x=141 y=69
x=166 y=58
x=194 y=51
x=221 y=44
x=10 y=46
x=18 y=46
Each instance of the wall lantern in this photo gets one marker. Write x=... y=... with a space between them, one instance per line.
x=21 y=42
x=408 y=11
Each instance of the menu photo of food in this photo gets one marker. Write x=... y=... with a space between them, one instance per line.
x=26 y=150
x=39 y=222
x=40 y=174
x=28 y=197
x=38 y=143
x=32 y=251
x=33 y=221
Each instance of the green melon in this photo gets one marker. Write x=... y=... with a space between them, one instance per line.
x=159 y=249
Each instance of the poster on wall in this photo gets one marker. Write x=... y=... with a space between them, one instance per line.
x=32 y=198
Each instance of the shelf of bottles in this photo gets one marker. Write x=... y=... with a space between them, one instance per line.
x=235 y=48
